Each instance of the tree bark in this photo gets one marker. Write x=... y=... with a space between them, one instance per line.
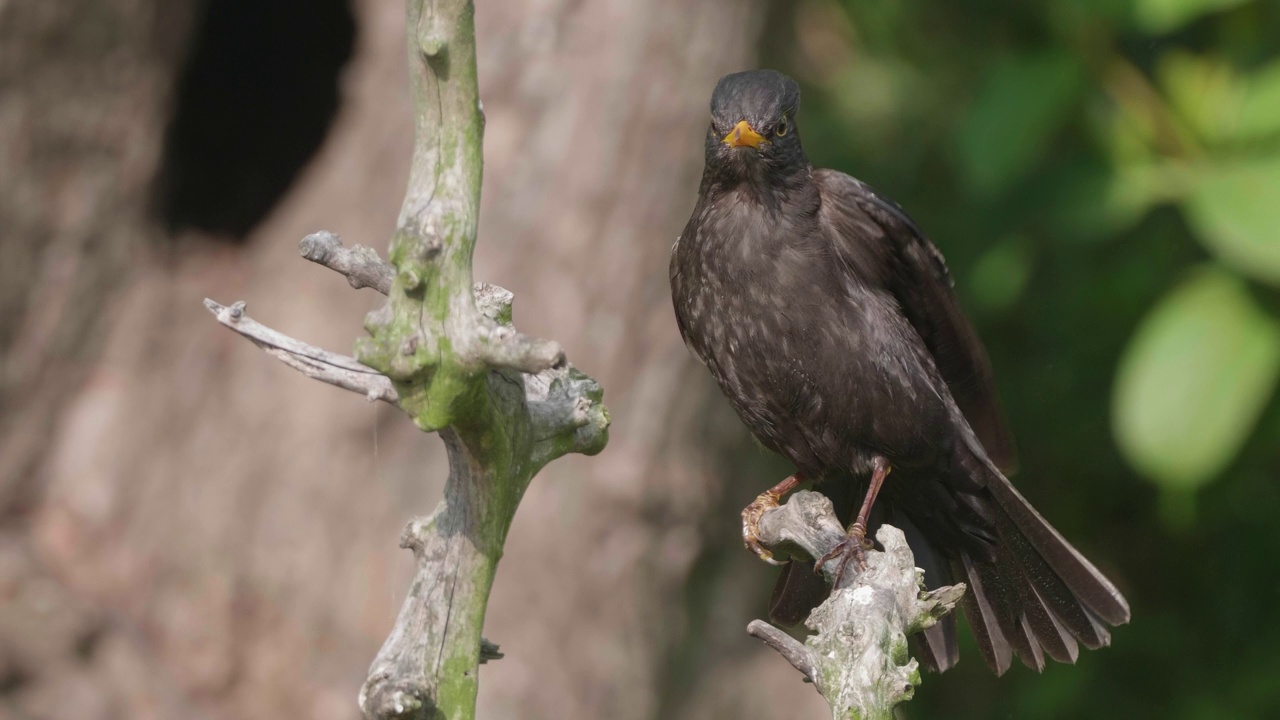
x=73 y=206
x=218 y=528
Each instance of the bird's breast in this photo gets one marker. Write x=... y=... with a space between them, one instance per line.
x=756 y=300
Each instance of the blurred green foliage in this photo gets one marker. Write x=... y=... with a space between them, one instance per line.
x=1199 y=369
x=1104 y=178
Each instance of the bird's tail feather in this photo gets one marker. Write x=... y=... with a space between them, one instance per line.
x=1034 y=596
x=936 y=648
x=1037 y=595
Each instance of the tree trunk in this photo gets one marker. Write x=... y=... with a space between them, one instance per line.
x=219 y=534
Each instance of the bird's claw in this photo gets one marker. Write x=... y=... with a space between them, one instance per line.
x=854 y=547
x=751 y=515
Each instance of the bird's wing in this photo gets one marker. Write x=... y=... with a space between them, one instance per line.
x=876 y=239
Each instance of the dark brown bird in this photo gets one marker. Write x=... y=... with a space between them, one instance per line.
x=830 y=323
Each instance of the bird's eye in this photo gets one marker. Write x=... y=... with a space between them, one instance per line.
x=782 y=127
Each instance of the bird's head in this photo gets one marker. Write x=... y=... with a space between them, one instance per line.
x=753 y=126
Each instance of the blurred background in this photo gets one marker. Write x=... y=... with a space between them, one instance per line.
x=189 y=529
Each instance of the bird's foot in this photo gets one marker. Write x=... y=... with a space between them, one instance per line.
x=854 y=547
x=751 y=515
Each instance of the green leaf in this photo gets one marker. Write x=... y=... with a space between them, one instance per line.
x=1204 y=91
x=1234 y=209
x=1023 y=101
x=1194 y=379
x=1162 y=16
x=1219 y=103
x=1260 y=106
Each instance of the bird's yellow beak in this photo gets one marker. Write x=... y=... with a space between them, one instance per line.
x=742 y=135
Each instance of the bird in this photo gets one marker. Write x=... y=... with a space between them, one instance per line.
x=831 y=324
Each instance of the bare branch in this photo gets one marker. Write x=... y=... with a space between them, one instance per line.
x=361 y=265
x=443 y=350
x=807 y=523
x=788 y=647
x=857 y=657
x=340 y=370
x=498 y=345
x=504 y=404
x=502 y=347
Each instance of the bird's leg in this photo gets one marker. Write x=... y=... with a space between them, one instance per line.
x=880 y=471
x=751 y=516
x=855 y=545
